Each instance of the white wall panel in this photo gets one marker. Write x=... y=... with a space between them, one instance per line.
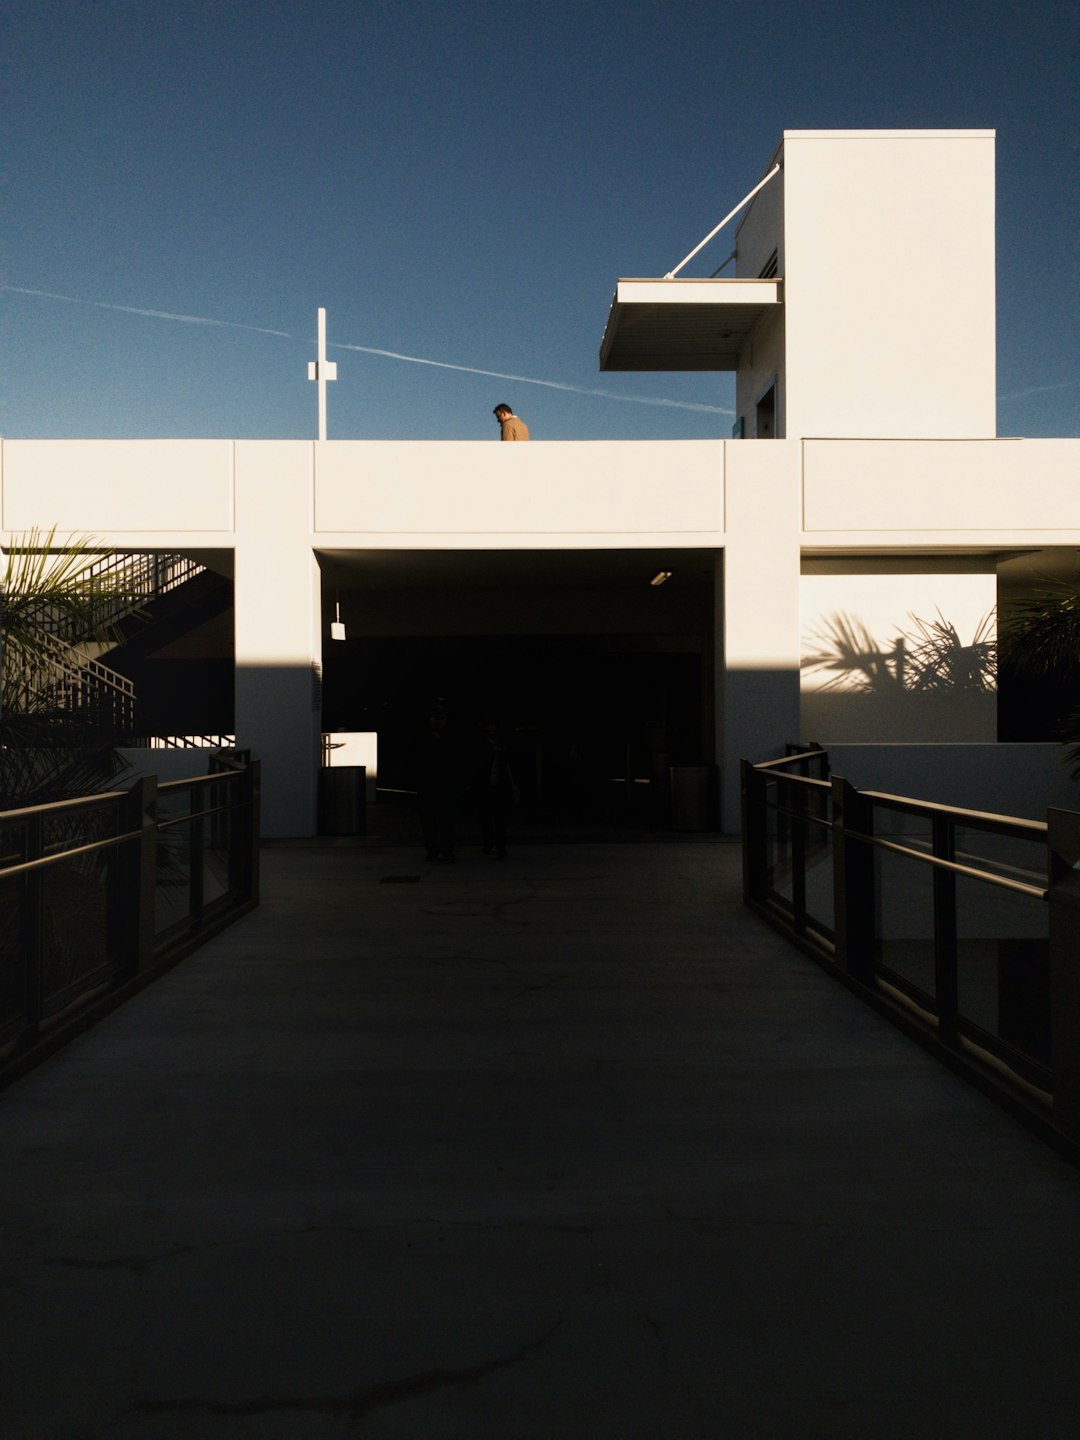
x=102 y=487
x=889 y=282
x=542 y=489
x=942 y=488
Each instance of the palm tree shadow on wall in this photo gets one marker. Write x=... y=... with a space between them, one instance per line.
x=926 y=684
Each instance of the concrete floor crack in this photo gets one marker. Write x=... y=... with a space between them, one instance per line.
x=357 y=1404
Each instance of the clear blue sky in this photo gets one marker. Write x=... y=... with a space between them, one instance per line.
x=464 y=182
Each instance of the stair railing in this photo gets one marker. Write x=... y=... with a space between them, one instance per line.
x=120 y=584
x=63 y=680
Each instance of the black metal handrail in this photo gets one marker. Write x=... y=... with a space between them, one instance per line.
x=100 y=894
x=1020 y=887
x=798 y=827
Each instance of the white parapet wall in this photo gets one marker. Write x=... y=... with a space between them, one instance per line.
x=121 y=490
x=474 y=495
x=939 y=494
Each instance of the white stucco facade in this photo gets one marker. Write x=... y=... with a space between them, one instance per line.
x=760 y=507
x=880 y=341
x=889 y=284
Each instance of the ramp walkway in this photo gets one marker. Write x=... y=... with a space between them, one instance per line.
x=570 y=1147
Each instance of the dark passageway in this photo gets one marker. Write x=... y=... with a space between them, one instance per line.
x=581 y=718
x=600 y=680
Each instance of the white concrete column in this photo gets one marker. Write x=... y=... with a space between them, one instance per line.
x=278 y=629
x=757 y=629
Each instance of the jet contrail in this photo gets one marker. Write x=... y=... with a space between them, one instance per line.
x=154 y=314
x=385 y=354
x=1039 y=390
x=529 y=380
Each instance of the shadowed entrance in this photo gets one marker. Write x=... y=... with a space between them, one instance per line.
x=601 y=681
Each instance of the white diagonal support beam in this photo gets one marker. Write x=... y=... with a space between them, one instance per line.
x=729 y=216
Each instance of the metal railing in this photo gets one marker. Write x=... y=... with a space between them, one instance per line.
x=120 y=584
x=66 y=679
x=181 y=742
x=63 y=680
x=100 y=895
x=962 y=925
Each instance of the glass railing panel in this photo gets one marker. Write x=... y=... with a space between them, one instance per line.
x=172 y=888
x=12 y=950
x=768 y=815
x=217 y=834
x=1012 y=857
x=819 y=876
x=1003 y=965
x=778 y=840
x=913 y=830
x=12 y=843
x=68 y=829
x=79 y=943
x=12 y=926
x=904 y=923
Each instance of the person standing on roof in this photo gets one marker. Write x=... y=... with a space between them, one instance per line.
x=512 y=428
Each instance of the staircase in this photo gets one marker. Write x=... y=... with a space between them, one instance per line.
x=65 y=681
x=129 y=592
x=121 y=587
x=182 y=703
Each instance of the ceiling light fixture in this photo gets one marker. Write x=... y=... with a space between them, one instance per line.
x=337 y=625
x=660 y=577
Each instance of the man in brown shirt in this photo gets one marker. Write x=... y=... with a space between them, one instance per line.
x=512 y=428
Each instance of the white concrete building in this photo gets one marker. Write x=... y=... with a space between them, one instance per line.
x=860 y=327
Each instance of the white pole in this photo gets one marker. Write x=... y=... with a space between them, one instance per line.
x=731 y=213
x=322 y=370
x=322 y=377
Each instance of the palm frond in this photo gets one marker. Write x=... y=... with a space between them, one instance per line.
x=48 y=590
x=849 y=651
x=1041 y=634
x=40 y=775
x=57 y=735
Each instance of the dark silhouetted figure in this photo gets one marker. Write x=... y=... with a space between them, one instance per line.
x=495 y=790
x=436 y=766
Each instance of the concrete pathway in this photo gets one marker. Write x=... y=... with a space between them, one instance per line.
x=568 y=1148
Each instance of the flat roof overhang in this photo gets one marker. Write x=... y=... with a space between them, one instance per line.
x=683 y=324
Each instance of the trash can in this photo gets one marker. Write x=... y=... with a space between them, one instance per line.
x=691 y=797
x=343 y=800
